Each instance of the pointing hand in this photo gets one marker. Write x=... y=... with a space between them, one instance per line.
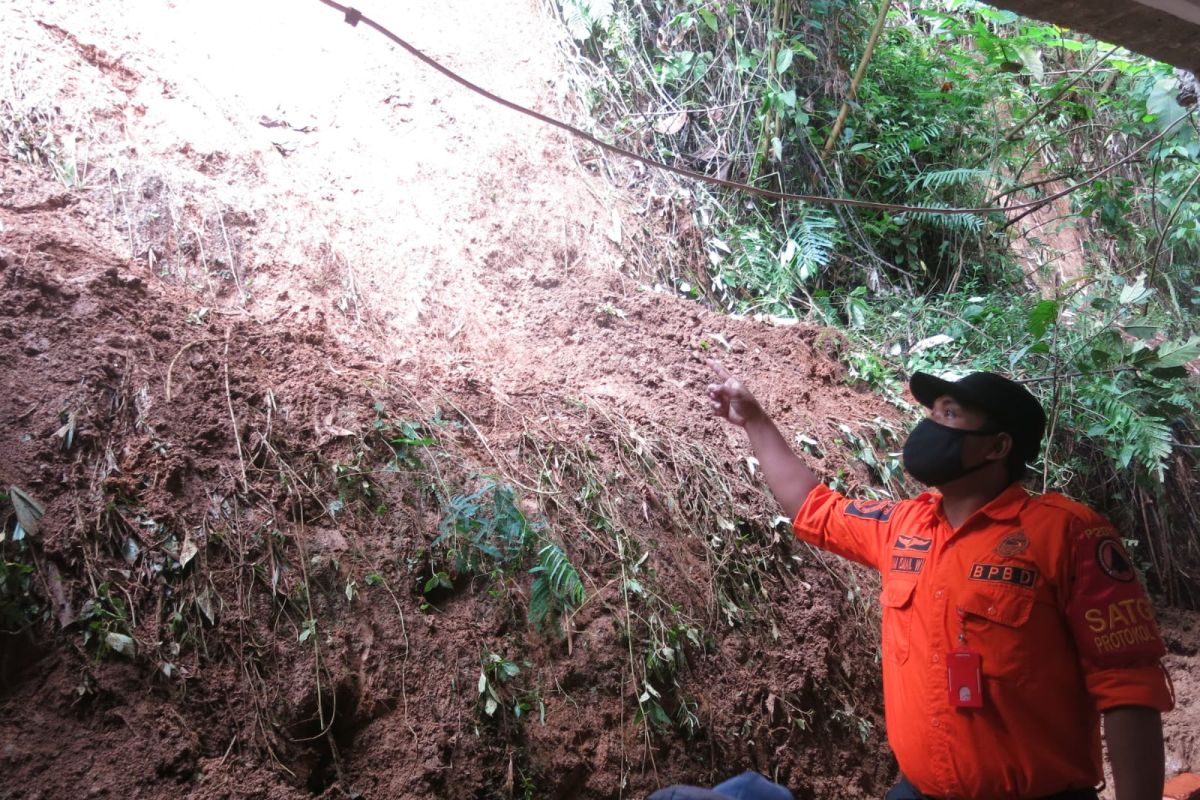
x=730 y=398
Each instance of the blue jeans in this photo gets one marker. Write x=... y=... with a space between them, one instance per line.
x=747 y=786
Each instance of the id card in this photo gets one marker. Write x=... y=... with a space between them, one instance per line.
x=965 y=671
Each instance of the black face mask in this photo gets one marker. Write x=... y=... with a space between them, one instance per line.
x=933 y=453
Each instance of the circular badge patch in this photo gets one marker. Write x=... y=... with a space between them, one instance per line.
x=1013 y=545
x=1111 y=557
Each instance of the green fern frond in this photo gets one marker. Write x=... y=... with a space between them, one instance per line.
x=541 y=601
x=581 y=16
x=951 y=223
x=557 y=587
x=811 y=244
x=897 y=145
x=938 y=179
x=1132 y=434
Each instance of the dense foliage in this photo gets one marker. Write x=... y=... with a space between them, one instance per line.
x=1092 y=297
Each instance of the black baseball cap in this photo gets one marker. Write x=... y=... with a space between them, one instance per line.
x=1016 y=411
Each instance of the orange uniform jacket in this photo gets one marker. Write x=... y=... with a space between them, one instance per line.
x=1042 y=588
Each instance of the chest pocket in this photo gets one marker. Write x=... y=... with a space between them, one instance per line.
x=897 y=603
x=996 y=626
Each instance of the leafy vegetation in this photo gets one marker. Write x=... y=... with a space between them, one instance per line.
x=556 y=587
x=486 y=532
x=495 y=672
x=1092 y=297
x=31 y=126
x=18 y=606
x=106 y=622
x=483 y=528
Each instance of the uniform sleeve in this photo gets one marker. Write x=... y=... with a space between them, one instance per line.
x=1113 y=621
x=854 y=529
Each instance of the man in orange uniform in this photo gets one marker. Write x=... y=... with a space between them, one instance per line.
x=1011 y=623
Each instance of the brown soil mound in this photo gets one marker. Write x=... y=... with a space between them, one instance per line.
x=190 y=505
x=307 y=372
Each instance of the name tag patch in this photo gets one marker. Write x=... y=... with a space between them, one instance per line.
x=910 y=564
x=1004 y=573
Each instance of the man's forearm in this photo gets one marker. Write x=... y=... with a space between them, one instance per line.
x=1135 y=750
x=787 y=475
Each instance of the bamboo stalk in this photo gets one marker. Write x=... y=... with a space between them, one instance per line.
x=771 y=123
x=858 y=76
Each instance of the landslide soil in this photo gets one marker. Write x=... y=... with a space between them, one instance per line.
x=273 y=294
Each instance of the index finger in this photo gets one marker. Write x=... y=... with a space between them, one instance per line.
x=716 y=366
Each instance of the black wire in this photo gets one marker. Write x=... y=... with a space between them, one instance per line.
x=354 y=16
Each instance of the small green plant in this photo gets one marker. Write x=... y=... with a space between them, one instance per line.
x=582 y=17
x=686 y=720
x=484 y=529
x=854 y=723
x=607 y=309
x=18 y=606
x=438 y=580
x=650 y=709
x=405 y=438
x=665 y=658
x=399 y=443
x=867 y=367
x=557 y=588
x=106 y=622
x=494 y=673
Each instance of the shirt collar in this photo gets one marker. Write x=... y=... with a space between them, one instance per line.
x=1008 y=504
x=1004 y=506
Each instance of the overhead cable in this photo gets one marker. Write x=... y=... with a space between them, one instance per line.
x=354 y=17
